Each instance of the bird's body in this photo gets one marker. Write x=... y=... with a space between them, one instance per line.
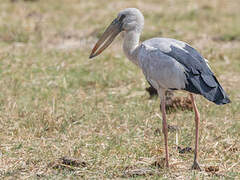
x=172 y=64
x=152 y=58
x=166 y=63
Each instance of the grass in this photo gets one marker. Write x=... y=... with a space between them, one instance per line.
x=55 y=102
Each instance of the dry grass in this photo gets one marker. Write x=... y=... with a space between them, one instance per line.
x=55 y=102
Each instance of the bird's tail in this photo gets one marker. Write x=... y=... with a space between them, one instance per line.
x=209 y=87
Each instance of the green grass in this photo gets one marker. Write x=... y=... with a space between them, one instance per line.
x=55 y=102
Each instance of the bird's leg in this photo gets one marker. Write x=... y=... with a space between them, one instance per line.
x=197 y=117
x=164 y=126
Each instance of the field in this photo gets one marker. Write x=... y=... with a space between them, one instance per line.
x=55 y=103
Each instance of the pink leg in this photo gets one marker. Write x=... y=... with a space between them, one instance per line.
x=164 y=127
x=197 y=117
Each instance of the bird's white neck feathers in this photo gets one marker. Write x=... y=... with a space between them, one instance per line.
x=130 y=43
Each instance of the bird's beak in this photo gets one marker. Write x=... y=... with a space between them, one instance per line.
x=107 y=38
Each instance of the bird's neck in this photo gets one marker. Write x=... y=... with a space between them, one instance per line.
x=131 y=42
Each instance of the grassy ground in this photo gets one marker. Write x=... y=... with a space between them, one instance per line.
x=55 y=102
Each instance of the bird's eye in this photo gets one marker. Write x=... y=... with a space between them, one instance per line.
x=122 y=17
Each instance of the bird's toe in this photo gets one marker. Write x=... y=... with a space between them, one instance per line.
x=196 y=166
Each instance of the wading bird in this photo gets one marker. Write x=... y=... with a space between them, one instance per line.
x=167 y=64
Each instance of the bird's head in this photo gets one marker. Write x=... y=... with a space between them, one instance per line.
x=130 y=19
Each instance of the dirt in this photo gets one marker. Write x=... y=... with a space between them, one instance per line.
x=138 y=172
x=67 y=163
x=173 y=104
x=179 y=103
x=159 y=163
x=212 y=169
x=184 y=150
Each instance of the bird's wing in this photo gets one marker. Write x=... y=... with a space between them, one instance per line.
x=200 y=78
x=161 y=70
x=190 y=58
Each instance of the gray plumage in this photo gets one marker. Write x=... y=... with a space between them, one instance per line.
x=173 y=64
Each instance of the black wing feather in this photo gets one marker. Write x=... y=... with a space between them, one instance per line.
x=200 y=79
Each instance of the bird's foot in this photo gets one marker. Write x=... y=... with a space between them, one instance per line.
x=196 y=166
